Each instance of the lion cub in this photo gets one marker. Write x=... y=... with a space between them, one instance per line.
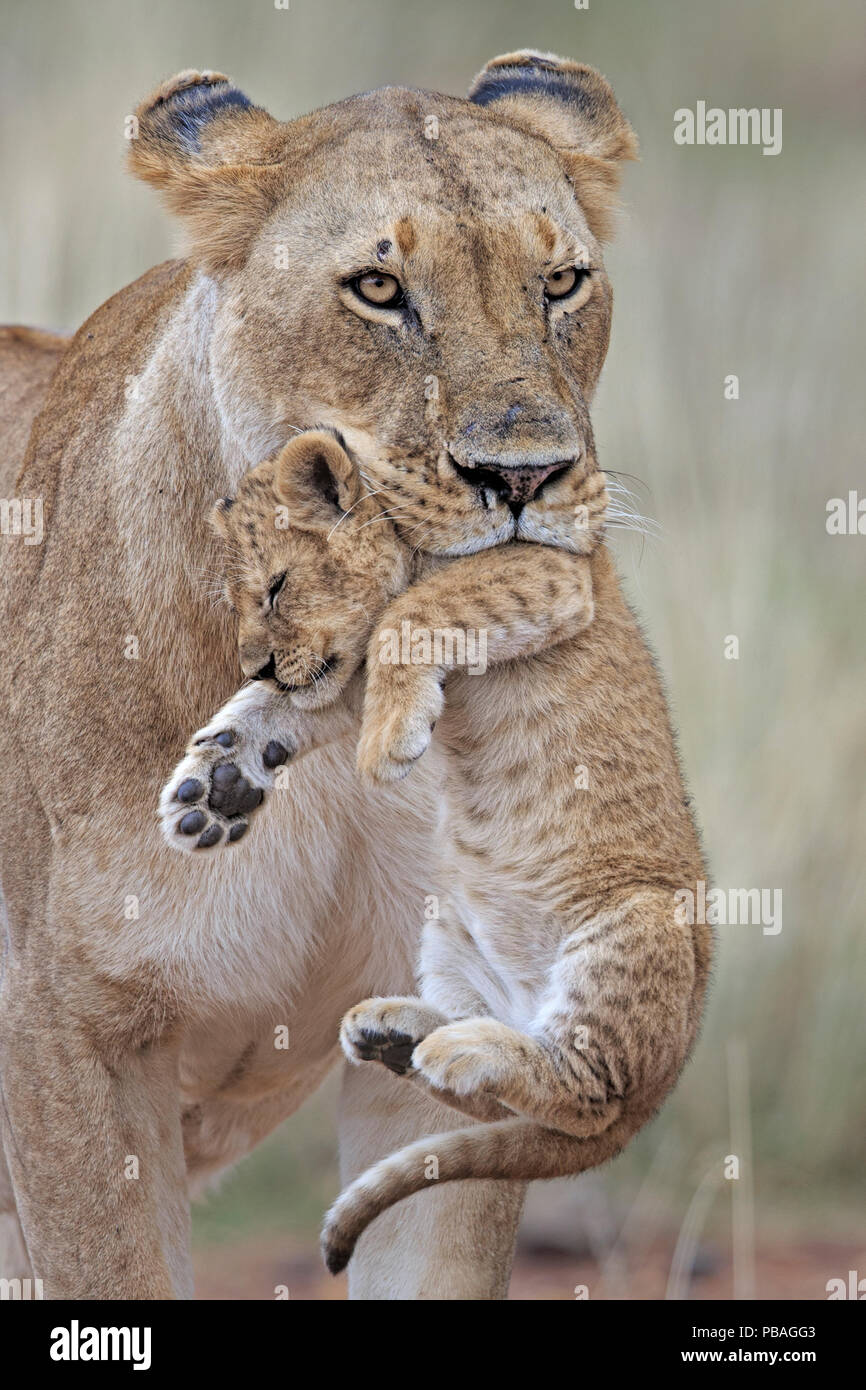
x=560 y=995
x=310 y=565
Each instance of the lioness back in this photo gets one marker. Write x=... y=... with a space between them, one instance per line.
x=28 y=358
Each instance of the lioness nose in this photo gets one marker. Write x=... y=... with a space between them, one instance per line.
x=516 y=483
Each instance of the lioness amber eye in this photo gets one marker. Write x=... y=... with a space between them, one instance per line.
x=562 y=282
x=376 y=288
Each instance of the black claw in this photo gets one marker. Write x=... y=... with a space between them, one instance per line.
x=190 y=790
x=238 y=831
x=275 y=754
x=211 y=836
x=192 y=823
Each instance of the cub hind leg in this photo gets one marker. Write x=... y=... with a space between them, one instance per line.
x=609 y=1036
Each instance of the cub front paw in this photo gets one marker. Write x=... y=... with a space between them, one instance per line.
x=217 y=788
x=387 y=1031
x=400 y=713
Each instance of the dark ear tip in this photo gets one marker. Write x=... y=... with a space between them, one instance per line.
x=511 y=67
x=179 y=110
x=570 y=104
x=184 y=81
x=335 y=434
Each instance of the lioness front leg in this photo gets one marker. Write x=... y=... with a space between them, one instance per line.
x=230 y=764
x=91 y=1134
x=481 y=610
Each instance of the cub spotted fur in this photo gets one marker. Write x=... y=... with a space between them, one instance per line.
x=559 y=994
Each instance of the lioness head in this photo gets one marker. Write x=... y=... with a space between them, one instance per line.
x=420 y=272
x=309 y=566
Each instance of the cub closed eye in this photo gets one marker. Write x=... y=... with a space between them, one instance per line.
x=385 y=291
x=565 y=282
x=274 y=587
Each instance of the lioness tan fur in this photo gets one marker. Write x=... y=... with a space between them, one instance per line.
x=141 y=991
x=560 y=994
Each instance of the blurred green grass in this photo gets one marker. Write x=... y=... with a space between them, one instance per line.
x=726 y=262
x=284 y=1186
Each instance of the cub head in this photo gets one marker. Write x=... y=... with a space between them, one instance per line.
x=420 y=272
x=309 y=565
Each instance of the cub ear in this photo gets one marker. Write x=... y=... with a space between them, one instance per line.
x=317 y=480
x=218 y=517
x=574 y=108
x=216 y=159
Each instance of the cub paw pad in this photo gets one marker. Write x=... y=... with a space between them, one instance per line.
x=231 y=793
x=275 y=754
x=209 y=837
x=393 y=1050
x=190 y=790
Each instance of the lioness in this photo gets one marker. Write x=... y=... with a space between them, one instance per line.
x=559 y=993
x=344 y=269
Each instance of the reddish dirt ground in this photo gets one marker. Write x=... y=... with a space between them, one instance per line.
x=253 y=1270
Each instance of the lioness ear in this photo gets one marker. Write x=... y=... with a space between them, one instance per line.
x=573 y=107
x=215 y=158
x=317 y=480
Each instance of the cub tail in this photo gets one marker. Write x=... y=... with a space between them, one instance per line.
x=504 y=1149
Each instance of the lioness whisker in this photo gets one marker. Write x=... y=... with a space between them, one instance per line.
x=354 y=505
x=388 y=512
